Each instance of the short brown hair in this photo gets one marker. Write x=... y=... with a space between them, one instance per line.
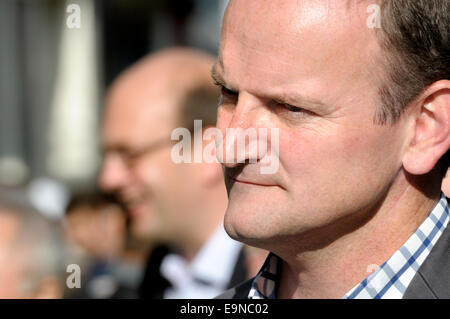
x=415 y=37
x=95 y=200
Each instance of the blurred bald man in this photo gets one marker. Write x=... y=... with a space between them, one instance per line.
x=178 y=204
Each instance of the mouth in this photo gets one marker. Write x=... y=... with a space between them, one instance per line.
x=234 y=179
x=133 y=205
x=253 y=183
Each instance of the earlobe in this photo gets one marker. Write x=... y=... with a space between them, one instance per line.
x=416 y=162
x=432 y=131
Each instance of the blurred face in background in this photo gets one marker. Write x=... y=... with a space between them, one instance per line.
x=310 y=72
x=11 y=273
x=140 y=115
x=18 y=275
x=99 y=231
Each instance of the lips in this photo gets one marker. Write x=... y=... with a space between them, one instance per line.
x=136 y=209
x=134 y=204
x=237 y=177
x=252 y=183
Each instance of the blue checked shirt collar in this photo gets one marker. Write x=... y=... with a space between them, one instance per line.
x=388 y=281
x=265 y=284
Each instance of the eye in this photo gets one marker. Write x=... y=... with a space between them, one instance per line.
x=223 y=90
x=228 y=92
x=227 y=96
x=290 y=112
x=292 y=108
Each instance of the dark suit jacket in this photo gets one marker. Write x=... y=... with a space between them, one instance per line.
x=154 y=284
x=432 y=280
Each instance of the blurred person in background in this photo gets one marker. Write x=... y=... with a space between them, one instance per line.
x=32 y=253
x=96 y=223
x=181 y=205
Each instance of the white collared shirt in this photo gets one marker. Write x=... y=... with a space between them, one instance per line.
x=208 y=274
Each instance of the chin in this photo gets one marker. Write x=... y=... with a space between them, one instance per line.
x=141 y=230
x=249 y=228
x=270 y=224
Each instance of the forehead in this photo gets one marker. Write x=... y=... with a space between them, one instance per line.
x=137 y=113
x=308 y=45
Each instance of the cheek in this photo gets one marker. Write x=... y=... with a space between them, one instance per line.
x=342 y=157
x=303 y=151
x=162 y=178
x=154 y=169
x=147 y=175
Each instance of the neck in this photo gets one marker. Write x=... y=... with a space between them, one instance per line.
x=351 y=255
x=209 y=217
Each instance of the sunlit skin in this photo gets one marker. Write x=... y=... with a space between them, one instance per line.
x=179 y=203
x=446 y=185
x=309 y=68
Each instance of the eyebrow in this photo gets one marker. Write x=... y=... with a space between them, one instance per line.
x=291 y=98
x=299 y=100
x=217 y=76
x=116 y=148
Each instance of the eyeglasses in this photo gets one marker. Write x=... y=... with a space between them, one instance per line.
x=130 y=157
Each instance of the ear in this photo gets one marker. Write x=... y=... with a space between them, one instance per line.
x=431 y=138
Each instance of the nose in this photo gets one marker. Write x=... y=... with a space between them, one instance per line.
x=113 y=174
x=244 y=130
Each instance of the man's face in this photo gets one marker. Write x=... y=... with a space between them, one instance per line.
x=309 y=69
x=140 y=115
x=100 y=231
